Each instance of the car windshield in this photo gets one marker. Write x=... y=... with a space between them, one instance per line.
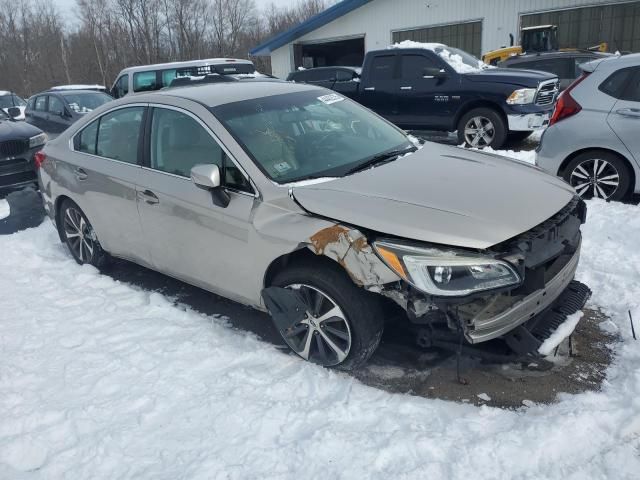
x=8 y=101
x=84 y=102
x=310 y=134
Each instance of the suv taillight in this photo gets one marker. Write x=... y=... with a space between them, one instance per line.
x=566 y=106
x=39 y=158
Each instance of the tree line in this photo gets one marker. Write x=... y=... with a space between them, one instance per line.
x=39 y=48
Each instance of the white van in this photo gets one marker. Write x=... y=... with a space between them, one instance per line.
x=154 y=77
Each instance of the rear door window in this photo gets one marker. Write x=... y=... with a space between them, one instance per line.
x=616 y=84
x=383 y=67
x=633 y=90
x=118 y=134
x=145 y=81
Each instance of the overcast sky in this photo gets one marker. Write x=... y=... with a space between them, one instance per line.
x=67 y=6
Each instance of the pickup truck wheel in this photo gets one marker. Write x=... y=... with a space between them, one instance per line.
x=79 y=236
x=482 y=127
x=343 y=324
x=598 y=174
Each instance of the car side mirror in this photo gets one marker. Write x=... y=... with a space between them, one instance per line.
x=433 y=72
x=207 y=177
x=14 y=112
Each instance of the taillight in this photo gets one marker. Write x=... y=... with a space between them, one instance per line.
x=566 y=106
x=39 y=158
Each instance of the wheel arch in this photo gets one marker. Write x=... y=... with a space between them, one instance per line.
x=628 y=163
x=298 y=256
x=481 y=103
x=57 y=208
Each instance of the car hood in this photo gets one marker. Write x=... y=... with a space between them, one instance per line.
x=441 y=194
x=515 y=76
x=17 y=130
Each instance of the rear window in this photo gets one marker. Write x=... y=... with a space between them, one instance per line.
x=616 y=84
x=86 y=102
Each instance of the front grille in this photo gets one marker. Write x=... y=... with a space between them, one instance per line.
x=547 y=93
x=548 y=247
x=15 y=165
x=13 y=148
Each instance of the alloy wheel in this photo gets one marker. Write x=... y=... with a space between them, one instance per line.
x=79 y=234
x=479 y=132
x=595 y=178
x=324 y=335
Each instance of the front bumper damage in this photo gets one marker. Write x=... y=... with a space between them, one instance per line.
x=547 y=258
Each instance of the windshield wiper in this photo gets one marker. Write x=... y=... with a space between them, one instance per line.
x=385 y=157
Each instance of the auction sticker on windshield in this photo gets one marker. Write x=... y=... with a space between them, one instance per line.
x=331 y=98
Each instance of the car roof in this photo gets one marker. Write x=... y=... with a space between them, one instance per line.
x=63 y=92
x=613 y=62
x=192 y=63
x=213 y=95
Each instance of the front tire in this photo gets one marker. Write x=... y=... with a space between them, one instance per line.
x=482 y=127
x=344 y=323
x=599 y=174
x=78 y=234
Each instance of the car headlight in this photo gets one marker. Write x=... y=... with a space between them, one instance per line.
x=38 y=140
x=522 y=96
x=446 y=273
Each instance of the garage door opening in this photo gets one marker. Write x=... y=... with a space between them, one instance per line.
x=330 y=54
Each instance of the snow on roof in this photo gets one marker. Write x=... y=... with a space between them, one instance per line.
x=79 y=87
x=456 y=61
x=4 y=92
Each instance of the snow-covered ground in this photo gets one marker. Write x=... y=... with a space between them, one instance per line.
x=101 y=380
x=5 y=210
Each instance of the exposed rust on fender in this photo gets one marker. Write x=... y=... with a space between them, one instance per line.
x=326 y=236
x=350 y=248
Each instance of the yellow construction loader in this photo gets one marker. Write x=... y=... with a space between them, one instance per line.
x=541 y=38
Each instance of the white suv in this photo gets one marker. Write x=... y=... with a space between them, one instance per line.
x=154 y=77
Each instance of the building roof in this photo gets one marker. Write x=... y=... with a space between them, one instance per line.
x=315 y=22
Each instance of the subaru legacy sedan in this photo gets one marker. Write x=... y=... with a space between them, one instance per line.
x=295 y=200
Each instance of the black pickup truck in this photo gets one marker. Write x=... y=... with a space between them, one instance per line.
x=435 y=87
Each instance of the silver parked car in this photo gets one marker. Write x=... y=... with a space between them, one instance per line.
x=593 y=140
x=295 y=200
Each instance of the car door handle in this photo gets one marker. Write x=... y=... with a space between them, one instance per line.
x=149 y=197
x=80 y=174
x=370 y=89
x=406 y=88
x=629 y=112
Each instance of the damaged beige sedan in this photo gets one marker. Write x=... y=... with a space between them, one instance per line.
x=297 y=201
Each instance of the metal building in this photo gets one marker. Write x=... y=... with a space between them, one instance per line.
x=343 y=33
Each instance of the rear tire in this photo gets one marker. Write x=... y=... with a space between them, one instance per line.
x=356 y=328
x=599 y=174
x=78 y=234
x=482 y=127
